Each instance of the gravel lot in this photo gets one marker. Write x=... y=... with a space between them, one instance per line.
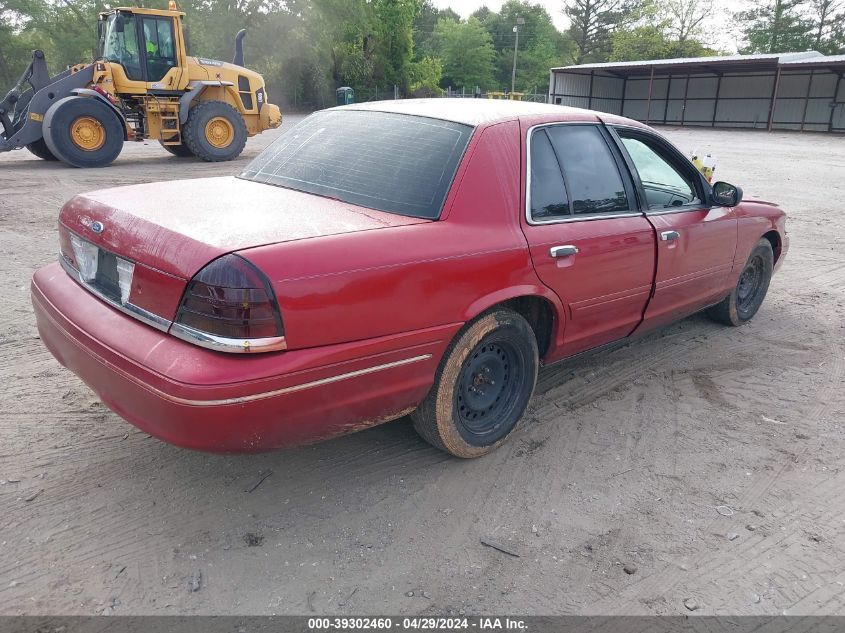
x=700 y=463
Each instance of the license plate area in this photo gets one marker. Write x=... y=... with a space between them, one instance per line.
x=103 y=272
x=106 y=279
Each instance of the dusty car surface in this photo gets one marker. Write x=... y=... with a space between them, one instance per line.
x=420 y=256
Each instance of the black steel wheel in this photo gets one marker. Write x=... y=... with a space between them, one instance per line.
x=747 y=296
x=487 y=384
x=482 y=386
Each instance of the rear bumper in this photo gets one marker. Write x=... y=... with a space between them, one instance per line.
x=205 y=400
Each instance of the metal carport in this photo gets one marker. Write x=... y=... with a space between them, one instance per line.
x=787 y=91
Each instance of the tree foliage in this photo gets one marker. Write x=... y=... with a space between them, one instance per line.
x=307 y=48
x=467 y=52
x=540 y=45
x=776 y=26
x=661 y=31
x=592 y=25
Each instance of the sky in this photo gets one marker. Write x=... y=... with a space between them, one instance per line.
x=716 y=32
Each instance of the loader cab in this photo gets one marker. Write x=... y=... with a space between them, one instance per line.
x=146 y=49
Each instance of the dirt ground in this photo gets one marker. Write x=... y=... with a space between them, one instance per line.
x=698 y=464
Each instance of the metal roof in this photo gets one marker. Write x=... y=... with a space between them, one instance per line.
x=828 y=60
x=722 y=63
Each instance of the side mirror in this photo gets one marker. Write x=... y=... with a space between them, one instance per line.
x=119 y=23
x=726 y=195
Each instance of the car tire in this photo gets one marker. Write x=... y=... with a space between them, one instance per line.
x=40 y=149
x=182 y=151
x=747 y=296
x=482 y=386
x=83 y=132
x=215 y=131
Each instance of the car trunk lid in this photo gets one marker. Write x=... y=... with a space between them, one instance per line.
x=169 y=230
x=179 y=226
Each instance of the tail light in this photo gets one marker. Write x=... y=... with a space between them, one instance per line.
x=230 y=306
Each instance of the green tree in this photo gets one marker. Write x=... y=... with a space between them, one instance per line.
x=776 y=26
x=394 y=22
x=424 y=25
x=662 y=30
x=467 y=53
x=828 y=19
x=425 y=76
x=592 y=23
x=682 y=19
x=639 y=43
x=541 y=45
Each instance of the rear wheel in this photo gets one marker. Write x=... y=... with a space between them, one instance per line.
x=181 y=151
x=482 y=387
x=747 y=296
x=83 y=132
x=40 y=149
x=215 y=131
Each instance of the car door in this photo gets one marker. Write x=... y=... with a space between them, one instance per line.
x=696 y=243
x=588 y=241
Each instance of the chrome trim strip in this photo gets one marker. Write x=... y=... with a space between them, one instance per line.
x=566 y=220
x=583 y=218
x=292 y=389
x=230 y=345
x=145 y=316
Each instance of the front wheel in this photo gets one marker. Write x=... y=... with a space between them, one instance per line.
x=482 y=387
x=747 y=296
x=83 y=132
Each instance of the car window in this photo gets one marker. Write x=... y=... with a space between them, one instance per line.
x=665 y=186
x=391 y=162
x=590 y=171
x=548 y=190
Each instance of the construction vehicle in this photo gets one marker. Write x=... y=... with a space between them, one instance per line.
x=143 y=85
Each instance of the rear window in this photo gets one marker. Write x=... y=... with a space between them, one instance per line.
x=391 y=162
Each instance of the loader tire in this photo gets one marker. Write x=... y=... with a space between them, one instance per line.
x=83 y=132
x=181 y=151
x=215 y=131
x=40 y=149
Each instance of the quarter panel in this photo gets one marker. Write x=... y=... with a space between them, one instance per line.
x=355 y=286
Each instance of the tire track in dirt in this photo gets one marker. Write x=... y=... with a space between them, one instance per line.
x=661 y=582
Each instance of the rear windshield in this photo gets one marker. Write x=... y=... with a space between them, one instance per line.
x=391 y=162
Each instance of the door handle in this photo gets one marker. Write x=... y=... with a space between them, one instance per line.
x=668 y=236
x=563 y=251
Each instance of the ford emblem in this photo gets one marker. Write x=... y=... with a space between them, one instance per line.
x=97 y=227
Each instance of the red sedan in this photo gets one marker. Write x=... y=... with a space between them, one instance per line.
x=378 y=260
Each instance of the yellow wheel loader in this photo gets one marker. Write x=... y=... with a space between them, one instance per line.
x=143 y=85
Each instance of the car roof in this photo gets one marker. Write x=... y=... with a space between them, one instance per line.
x=471 y=111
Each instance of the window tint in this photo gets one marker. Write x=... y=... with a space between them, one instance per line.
x=592 y=176
x=548 y=191
x=391 y=162
x=665 y=186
